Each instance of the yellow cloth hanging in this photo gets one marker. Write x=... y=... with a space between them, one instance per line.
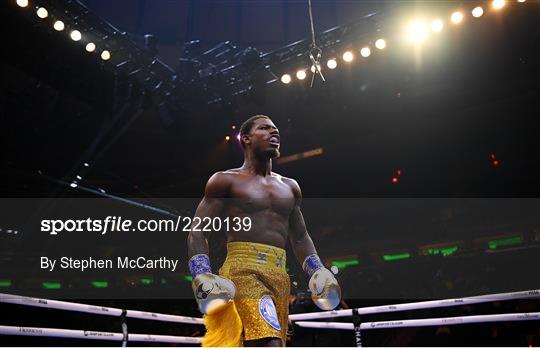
x=224 y=328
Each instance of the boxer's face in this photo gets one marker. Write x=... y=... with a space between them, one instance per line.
x=264 y=138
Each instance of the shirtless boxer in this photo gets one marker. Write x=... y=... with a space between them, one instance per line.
x=254 y=271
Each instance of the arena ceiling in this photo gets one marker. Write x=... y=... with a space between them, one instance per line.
x=474 y=95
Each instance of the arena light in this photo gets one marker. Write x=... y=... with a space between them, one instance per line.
x=105 y=55
x=395 y=257
x=146 y=281
x=90 y=47
x=286 y=78
x=365 y=52
x=348 y=56
x=227 y=138
x=445 y=251
x=456 y=17
x=345 y=263
x=301 y=74
x=417 y=31
x=99 y=284
x=437 y=25
x=498 y=4
x=331 y=64
x=505 y=242
x=380 y=44
x=76 y=35
x=59 y=26
x=51 y=285
x=22 y=3
x=42 y=12
x=477 y=12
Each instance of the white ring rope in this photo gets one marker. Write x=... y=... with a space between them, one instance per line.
x=163 y=338
x=528 y=294
x=93 y=335
x=110 y=311
x=471 y=319
x=163 y=317
x=66 y=306
x=62 y=333
x=325 y=325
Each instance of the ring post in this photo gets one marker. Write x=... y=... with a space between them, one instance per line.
x=125 y=333
x=357 y=320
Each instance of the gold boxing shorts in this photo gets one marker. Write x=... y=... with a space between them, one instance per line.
x=262 y=288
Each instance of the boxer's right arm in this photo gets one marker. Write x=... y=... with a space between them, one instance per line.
x=211 y=206
x=211 y=291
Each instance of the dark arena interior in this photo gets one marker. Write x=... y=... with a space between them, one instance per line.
x=411 y=127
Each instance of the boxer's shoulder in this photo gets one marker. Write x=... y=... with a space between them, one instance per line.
x=223 y=181
x=220 y=183
x=292 y=183
x=225 y=175
x=230 y=176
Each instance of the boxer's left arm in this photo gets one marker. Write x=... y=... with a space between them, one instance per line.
x=301 y=242
x=325 y=290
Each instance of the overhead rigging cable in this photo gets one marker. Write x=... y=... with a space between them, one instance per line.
x=314 y=50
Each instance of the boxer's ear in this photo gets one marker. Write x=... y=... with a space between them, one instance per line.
x=245 y=138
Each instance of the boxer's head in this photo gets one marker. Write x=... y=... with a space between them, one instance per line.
x=259 y=135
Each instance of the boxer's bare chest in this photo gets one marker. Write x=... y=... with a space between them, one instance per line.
x=253 y=194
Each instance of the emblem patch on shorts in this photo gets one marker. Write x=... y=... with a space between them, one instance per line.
x=268 y=311
x=261 y=258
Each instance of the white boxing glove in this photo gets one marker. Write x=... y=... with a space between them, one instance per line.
x=212 y=292
x=325 y=290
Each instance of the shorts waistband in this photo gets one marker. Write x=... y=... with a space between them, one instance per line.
x=256 y=254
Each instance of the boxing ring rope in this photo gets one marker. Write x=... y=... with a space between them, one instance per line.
x=61 y=305
x=164 y=338
x=163 y=317
x=518 y=295
x=471 y=319
x=93 y=335
x=60 y=333
x=110 y=311
x=358 y=326
x=96 y=335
